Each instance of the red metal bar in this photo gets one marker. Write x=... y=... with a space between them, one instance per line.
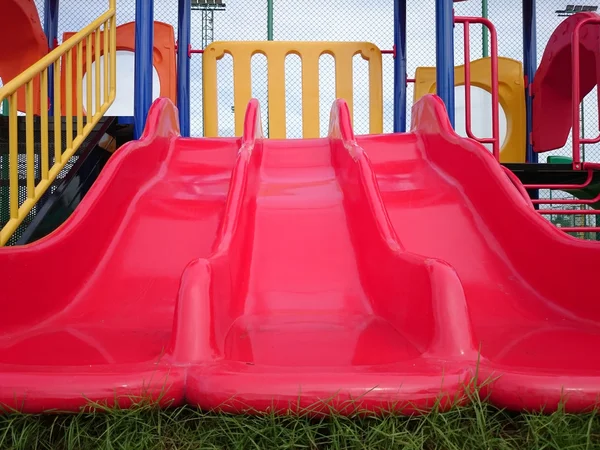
x=569 y=212
x=388 y=52
x=567 y=201
x=194 y=50
x=577 y=139
x=580 y=229
x=495 y=139
x=410 y=80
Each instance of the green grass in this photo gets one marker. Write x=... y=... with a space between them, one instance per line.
x=477 y=426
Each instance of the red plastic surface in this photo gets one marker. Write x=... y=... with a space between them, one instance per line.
x=253 y=273
x=22 y=43
x=551 y=89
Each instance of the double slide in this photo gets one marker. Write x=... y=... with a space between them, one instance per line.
x=382 y=271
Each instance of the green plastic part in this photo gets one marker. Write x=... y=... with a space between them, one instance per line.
x=559 y=160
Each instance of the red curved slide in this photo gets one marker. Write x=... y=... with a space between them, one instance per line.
x=22 y=43
x=551 y=89
x=345 y=272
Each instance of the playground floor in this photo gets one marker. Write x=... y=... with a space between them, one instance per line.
x=477 y=426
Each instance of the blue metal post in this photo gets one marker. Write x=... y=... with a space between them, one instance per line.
x=400 y=66
x=144 y=44
x=444 y=53
x=530 y=65
x=51 y=8
x=184 y=26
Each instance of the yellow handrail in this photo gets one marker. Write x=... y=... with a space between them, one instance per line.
x=34 y=191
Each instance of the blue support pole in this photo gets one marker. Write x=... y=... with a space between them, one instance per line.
x=51 y=8
x=184 y=27
x=399 y=66
x=530 y=65
x=144 y=44
x=444 y=53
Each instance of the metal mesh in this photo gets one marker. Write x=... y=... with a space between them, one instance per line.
x=340 y=20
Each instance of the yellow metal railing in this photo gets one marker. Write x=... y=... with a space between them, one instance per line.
x=276 y=53
x=105 y=25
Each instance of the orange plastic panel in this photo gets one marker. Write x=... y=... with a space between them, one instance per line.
x=164 y=57
x=23 y=43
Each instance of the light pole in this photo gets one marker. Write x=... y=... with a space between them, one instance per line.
x=269 y=20
x=484 y=30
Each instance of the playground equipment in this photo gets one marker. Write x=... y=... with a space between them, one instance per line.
x=510 y=97
x=15 y=59
x=163 y=58
x=244 y=272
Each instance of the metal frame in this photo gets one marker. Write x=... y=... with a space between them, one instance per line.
x=184 y=28
x=143 y=71
x=51 y=9
x=444 y=53
x=400 y=66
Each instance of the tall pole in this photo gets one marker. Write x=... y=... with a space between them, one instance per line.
x=399 y=66
x=184 y=26
x=530 y=65
x=269 y=20
x=444 y=54
x=143 y=67
x=484 y=31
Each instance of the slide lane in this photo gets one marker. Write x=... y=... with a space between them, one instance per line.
x=101 y=290
x=311 y=297
x=529 y=287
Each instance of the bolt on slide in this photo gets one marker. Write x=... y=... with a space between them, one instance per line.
x=373 y=272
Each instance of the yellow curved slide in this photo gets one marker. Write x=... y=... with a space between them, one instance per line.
x=511 y=94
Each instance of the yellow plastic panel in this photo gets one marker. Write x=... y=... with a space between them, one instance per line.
x=511 y=93
x=276 y=52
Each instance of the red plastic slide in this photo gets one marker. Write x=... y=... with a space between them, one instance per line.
x=22 y=43
x=551 y=89
x=340 y=272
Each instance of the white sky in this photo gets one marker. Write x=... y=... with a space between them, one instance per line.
x=334 y=20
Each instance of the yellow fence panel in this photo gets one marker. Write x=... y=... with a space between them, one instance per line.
x=276 y=53
x=106 y=24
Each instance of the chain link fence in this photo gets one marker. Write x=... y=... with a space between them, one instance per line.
x=338 y=20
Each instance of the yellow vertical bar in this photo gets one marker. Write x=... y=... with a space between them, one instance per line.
x=79 y=82
x=88 y=71
x=276 y=91
x=44 y=148
x=209 y=91
x=344 y=77
x=57 y=114
x=69 y=99
x=98 y=83
x=311 y=124
x=375 y=91
x=242 y=85
x=106 y=62
x=113 y=55
x=29 y=158
x=13 y=158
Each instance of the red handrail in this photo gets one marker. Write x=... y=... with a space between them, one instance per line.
x=495 y=139
x=577 y=139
